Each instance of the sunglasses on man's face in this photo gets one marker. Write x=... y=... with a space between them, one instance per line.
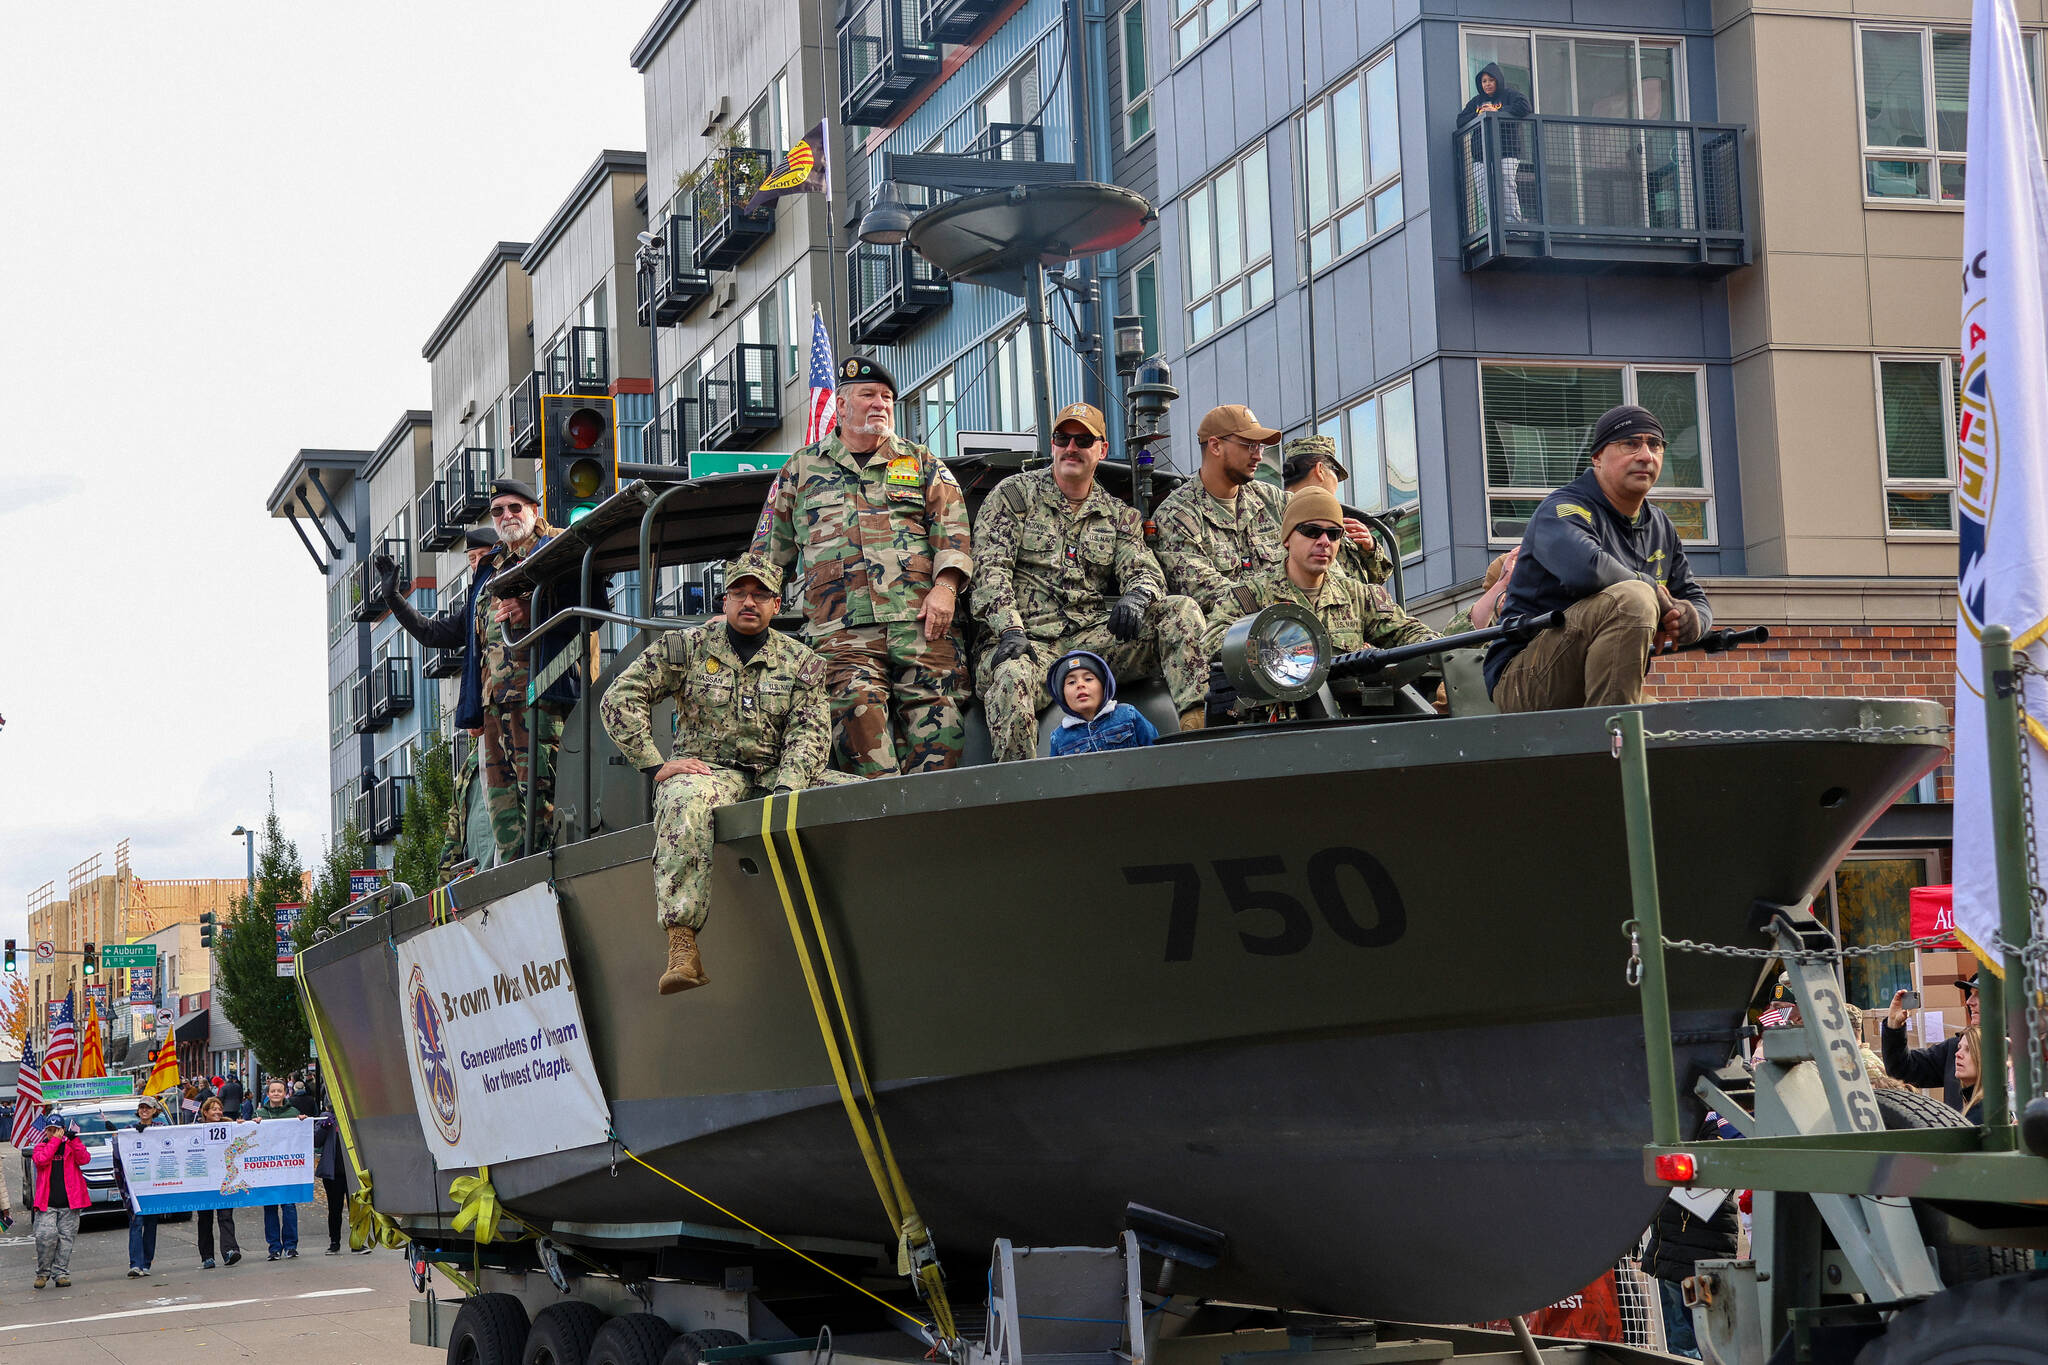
x=1079 y=440
x=1318 y=531
x=508 y=509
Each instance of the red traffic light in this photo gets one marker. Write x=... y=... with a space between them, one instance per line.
x=584 y=428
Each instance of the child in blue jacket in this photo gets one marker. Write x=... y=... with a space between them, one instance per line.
x=1086 y=690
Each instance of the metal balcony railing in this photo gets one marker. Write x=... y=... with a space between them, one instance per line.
x=726 y=229
x=1601 y=194
x=955 y=21
x=741 y=398
x=523 y=417
x=387 y=808
x=580 y=362
x=362 y=602
x=1009 y=142
x=890 y=290
x=362 y=810
x=390 y=690
x=680 y=430
x=883 y=57
x=466 y=481
x=678 y=285
x=430 y=514
x=442 y=663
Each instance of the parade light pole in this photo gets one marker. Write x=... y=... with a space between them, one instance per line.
x=248 y=837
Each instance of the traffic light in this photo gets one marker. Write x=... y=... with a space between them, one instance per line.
x=206 y=930
x=579 y=455
x=92 y=959
x=10 y=954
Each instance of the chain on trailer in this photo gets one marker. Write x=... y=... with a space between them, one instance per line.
x=2035 y=957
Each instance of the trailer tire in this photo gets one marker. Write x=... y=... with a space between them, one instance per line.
x=1958 y=1262
x=1992 y=1322
x=689 y=1348
x=489 y=1330
x=562 y=1334
x=635 y=1339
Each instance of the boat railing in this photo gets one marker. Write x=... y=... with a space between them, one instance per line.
x=356 y=908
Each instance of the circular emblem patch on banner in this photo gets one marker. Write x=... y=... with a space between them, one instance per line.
x=430 y=1049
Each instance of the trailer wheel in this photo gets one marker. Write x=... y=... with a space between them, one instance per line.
x=1958 y=1262
x=562 y=1334
x=1991 y=1322
x=489 y=1330
x=635 y=1339
x=689 y=1348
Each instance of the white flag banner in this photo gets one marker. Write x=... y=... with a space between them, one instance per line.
x=2002 y=435
x=501 y=1060
x=218 y=1165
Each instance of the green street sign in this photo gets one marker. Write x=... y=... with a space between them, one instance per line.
x=88 y=1088
x=116 y=955
x=704 y=462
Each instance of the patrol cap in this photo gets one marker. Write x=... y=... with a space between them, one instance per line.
x=518 y=488
x=1311 y=504
x=479 y=538
x=1088 y=416
x=1300 y=456
x=1235 y=419
x=1967 y=984
x=755 y=567
x=865 y=369
x=1626 y=420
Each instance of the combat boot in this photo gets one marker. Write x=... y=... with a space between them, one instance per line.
x=42 y=1280
x=685 y=967
x=1193 y=718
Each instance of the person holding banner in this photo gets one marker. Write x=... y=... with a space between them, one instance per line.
x=211 y=1110
x=280 y=1221
x=141 y=1226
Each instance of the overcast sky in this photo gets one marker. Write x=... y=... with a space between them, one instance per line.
x=225 y=232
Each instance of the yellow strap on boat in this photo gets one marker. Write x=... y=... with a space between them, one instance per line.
x=366 y=1226
x=479 y=1207
x=915 y=1255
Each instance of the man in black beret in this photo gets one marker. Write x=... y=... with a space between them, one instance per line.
x=1607 y=557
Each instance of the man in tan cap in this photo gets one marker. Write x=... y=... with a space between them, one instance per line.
x=1221 y=528
x=1357 y=614
x=1061 y=565
x=1312 y=460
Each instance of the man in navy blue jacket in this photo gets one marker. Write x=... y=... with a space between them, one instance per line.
x=1599 y=551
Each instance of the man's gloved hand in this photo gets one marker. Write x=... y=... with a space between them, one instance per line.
x=1127 y=617
x=1221 y=702
x=387 y=575
x=1013 y=645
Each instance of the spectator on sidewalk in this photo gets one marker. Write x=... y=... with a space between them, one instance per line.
x=212 y=1111
x=59 y=1196
x=231 y=1096
x=280 y=1221
x=1969 y=1072
x=141 y=1226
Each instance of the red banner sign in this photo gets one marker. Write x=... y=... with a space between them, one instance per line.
x=1934 y=912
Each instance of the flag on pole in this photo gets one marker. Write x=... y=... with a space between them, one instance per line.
x=824 y=390
x=804 y=169
x=2001 y=437
x=28 y=1100
x=60 y=1054
x=92 y=1057
x=163 y=1067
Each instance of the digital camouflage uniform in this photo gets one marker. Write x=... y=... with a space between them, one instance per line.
x=1356 y=614
x=504 y=740
x=454 y=844
x=873 y=532
x=761 y=725
x=1368 y=561
x=1056 y=574
x=1208 y=547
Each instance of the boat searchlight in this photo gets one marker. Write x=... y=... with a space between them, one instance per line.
x=1278 y=653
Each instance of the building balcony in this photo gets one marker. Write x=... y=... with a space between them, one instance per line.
x=890 y=291
x=522 y=419
x=1598 y=195
x=883 y=57
x=361 y=810
x=1009 y=142
x=430 y=514
x=442 y=663
x=387 y=808
x=364 y=604
x=466 y=488
x=681 y=430
x=580 y=362
x=727 y=231
x=955 y=21
x=677 y=285
x=740 y=400
x=390 y=691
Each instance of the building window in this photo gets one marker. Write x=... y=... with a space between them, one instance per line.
x=1137 y=86
x=1375 y=439
x=1197 y=21
x=1916 y=103
x=1011 y=406
x=767 y=123
x=1352 y=159
x=1229 y=246
x=772 y=322
x=795 y=336
x=340 y=715
x=340 y=598
x=1141 y=297
x=1584 y=75
x=1917 y=413
x=926 y=414
x=1013 y=99
x=1535 y=421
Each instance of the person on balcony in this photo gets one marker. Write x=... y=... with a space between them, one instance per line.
x=876 y=527
x=1495 y=96
x=1602 y=553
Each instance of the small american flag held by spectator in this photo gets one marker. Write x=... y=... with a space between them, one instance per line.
x=1775 y=1016
x=824 y=390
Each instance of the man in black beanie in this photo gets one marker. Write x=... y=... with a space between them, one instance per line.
x=1599 y=551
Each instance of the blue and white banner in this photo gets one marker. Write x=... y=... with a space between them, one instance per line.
x=501 y=1064
x=2002 y=437
x=218 y=1165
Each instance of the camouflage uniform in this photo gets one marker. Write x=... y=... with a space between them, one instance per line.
x=1207 y=547
x=1055 y=574
x=454 y=844
x=761 y=724
x=874 y=532
x=1367 y=561
x=505 y=737
x=1357 y=615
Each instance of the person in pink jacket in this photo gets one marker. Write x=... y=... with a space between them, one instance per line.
x=59 y=1196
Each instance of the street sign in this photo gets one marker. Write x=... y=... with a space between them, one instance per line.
x=88 y=1088
x=46 y=951
x=704 y=462
x=115 y=955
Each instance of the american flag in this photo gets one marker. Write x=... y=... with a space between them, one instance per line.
x=28 y=1100
x=1774 y=1016
x=824 y=390
x=60 y=1060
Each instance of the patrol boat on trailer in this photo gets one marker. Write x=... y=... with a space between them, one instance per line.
x=1348 y=993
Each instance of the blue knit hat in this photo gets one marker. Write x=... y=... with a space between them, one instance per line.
x=1056 y=677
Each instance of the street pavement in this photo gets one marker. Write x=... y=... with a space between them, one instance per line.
x=317 y=1307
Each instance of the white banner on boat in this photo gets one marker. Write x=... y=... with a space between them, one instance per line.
x=501 y=1064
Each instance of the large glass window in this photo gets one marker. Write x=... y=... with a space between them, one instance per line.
x=1141 y=297
x=1351 y=145
x=1229 y=245
x=1375 y=439
x=1013 y=99
x=1536 y=419
x=928 y=415
x=1197 y=21
x=1916 y=103
x=1137 y=86
x=767 y=123
x=1011 y=406
x=1917 y=403
x=1586 y=75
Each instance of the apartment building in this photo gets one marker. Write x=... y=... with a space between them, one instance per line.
x=392 y=708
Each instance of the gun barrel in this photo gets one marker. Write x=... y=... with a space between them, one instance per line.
x=1364 y=661
x=1720 y=641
